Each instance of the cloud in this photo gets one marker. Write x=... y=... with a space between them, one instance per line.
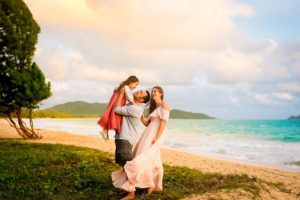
x=284 y=96
x=262 y=98
x=191 y=38
x=234 y=100
x=231 y=65
x=293 y=87
x=67 y=13
x=172 y=24
x=190 y=47
x=271 y=45
x=59 y=86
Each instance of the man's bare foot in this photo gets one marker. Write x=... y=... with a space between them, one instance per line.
x=129 y=196
x=150 y=190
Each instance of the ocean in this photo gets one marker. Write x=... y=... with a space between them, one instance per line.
x=273 y=143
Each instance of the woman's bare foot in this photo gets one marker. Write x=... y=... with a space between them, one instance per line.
x=129 y=196
x=150 y=190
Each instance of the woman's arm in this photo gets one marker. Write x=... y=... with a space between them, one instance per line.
x=145 y=121
x=162 y=125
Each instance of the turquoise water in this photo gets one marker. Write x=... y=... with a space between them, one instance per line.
x=274 y=143
x=277 y=130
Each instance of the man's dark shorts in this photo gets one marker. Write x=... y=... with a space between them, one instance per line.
x=123 y=152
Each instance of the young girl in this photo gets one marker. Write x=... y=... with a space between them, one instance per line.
x=110 y=120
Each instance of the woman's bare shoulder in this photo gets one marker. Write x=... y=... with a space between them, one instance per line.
x=165 y=105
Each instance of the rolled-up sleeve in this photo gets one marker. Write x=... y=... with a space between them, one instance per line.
x=130 y=110
x=121 y=110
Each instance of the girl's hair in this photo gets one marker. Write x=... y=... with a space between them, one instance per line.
x=152 y=102
x=130 y=79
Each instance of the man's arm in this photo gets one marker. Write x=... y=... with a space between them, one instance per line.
x=130 y=110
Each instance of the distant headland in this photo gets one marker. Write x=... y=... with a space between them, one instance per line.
x=294 y=117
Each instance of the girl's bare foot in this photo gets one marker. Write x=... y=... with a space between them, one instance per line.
x=104 y=134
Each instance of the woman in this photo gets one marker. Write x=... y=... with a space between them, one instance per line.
x=145 y=170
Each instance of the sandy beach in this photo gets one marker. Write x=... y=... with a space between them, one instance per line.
x=291 y=180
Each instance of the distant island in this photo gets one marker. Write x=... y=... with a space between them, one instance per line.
x=295 y=117
x=82 y=109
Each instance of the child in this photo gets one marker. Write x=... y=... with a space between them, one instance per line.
x=110 y=120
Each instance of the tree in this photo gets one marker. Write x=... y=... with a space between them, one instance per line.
x=22 y=83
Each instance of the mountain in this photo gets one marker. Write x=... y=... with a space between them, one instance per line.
x=79 y=107
x=294 y=117
x=181 y=114
x=96 y=109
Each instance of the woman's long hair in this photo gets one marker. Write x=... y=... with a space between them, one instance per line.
x=152 y=102
x=130 y=79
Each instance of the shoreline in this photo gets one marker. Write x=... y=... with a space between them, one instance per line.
x=205 y=163
x=270 y=152
x=219 y=158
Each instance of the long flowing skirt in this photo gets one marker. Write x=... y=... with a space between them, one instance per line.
x=145 y=170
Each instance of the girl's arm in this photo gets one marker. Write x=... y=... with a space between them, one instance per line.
x=120 y=97
x=128 y=94
x=145 y=121
x=162 y=125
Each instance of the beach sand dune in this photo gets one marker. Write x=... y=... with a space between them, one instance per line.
x=291 y=180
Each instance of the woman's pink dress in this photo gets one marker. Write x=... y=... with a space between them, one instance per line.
x=145 y=169
x=110 y=120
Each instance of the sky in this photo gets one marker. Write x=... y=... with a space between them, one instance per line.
x=230 y=59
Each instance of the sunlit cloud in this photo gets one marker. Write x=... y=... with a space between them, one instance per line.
x=188 y=47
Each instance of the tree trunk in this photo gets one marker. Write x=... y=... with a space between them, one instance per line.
x=26 y=131
x=13 y=124
x=37 y=135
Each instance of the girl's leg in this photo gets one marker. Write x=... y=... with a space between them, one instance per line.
x=104 y=134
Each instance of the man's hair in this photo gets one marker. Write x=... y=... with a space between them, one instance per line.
x=147 y=98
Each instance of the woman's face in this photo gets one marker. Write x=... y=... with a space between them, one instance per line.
x=133 y=85
x=156 y=94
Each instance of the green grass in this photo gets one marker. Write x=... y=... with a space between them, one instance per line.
x=46 y=171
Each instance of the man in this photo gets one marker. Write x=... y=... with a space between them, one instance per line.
x=128 y=135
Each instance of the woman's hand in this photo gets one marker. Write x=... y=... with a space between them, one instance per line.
x=153 y=141
x=143 y=117
x=144 y=120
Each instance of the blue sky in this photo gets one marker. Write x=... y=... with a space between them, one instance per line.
x=230 y=59
x=277 y=19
